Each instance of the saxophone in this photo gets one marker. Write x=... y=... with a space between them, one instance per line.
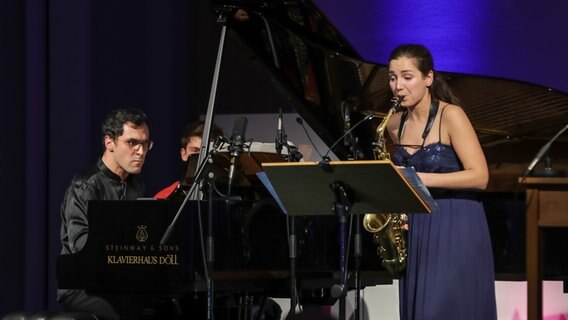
x=387 y=228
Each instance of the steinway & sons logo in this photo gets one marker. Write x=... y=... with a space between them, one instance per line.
x=142 y=234
x=141 y=253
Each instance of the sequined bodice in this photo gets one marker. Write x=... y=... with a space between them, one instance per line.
x=436 y=157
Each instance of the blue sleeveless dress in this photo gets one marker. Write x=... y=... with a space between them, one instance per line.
x=450 y=272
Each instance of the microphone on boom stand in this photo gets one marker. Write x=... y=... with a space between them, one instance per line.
x=236 y=147
x=543 y=153
x=346 y=123
x=292 y=154
x=325 y=159
x=280 y=135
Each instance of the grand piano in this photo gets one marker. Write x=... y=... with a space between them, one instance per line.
x=333 y=87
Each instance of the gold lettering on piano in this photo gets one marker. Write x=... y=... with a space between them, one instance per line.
x=128 y=247
x=168 y=248
x=142 y=254
x=140 y=248
x=132 y=260
x=169 y=259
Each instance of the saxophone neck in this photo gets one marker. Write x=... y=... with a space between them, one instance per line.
x=382 y=126
x=379 y=146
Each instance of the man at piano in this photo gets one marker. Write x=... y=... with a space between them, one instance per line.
x=126 y=142
x=191 y=138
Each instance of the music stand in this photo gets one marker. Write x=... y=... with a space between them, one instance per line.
x=357 y=187
x=377 y=186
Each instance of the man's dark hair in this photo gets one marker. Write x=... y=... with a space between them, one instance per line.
x=113 y=125
x=195 y=129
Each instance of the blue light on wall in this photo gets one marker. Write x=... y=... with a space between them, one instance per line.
x=518 y=40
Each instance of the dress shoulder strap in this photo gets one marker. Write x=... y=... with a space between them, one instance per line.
x=431 y=117
x=440 y=125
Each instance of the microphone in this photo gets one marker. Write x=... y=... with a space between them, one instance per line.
x=349 y=131
x=349 y=141
x=543 y=151
x=236 y=147
x=346 y=122
x=280 y=135
x=325 y=159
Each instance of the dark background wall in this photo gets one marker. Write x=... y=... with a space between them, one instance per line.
x=65 y=64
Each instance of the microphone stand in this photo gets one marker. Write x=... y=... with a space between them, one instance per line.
x=205 y=156
x=543 y=151
x=352 y=145
x=341 y=207
x=197 y=181
x=199 y=177
x=292 y=243
x=292 y=153
x=357 y=254
x=357 y=154
x=211 y=104
x=210 y=252
x=292 y=156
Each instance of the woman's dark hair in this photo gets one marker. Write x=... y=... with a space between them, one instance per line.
x=424 y=62
x=113 y=125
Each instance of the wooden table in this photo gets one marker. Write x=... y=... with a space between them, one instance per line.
x=547 y=206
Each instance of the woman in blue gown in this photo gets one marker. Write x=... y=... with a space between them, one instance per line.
x=450 y=273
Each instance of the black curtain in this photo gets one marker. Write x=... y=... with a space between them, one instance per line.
x=13 y=213
x=63 y=66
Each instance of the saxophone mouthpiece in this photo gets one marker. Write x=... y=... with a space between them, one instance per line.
x=396 y=100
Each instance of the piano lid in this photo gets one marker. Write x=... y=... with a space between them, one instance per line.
x=316 y=62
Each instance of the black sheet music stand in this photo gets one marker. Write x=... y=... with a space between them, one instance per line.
x=343 y=188
x=377 y=186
